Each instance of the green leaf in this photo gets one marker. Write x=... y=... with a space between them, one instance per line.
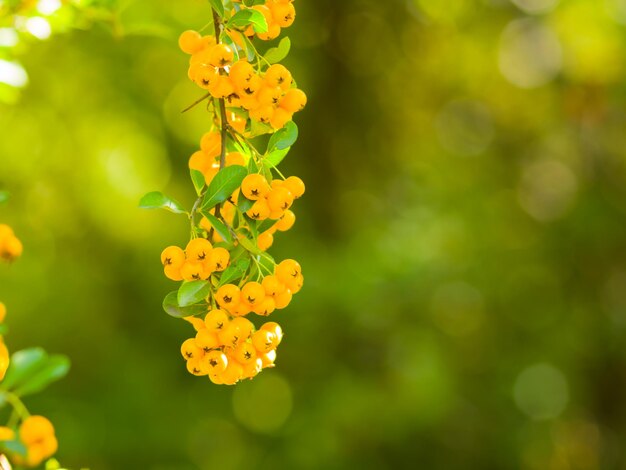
x=284 y=138
x=56 y=367
x=278 y=53
x=277 y=156
x=243 y=18
x=15 y=447
x=252 y=166
x=235 y=271
x=267 y=262
x=244 y=203
x=4 y=197
x=23 y=364
x=219 y=227
x=223 y=185
x=249 y=246
x=158 y=200
x=192 y=292
x=266 y=225
x=171 y=307
x=218 y=6
x=197 y=178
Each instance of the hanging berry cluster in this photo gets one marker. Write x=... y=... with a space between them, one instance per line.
x=27 y=440
x=243 y=199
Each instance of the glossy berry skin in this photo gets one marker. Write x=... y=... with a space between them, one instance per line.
x=259 y=211
x=253 y=294
x=221 y=55
x=207 y=340
x=228 y=296
x=286 y=222
x=190 y=349
x=295 y=186
x=219 y=259
x=279 y=199
x=173 y=256
x=255 y=187
x=277 y=75
x=288 y=270
x=294 y=100
x=190 y=42
x=244 y=353
x=216 y=320
x=275 y=328
x=273 y=286
x=264 y=341
x=283 y=300
x=216 y=362
x=198 y=250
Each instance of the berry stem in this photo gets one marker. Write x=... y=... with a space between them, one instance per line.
x=195 y=103
x=223 y=118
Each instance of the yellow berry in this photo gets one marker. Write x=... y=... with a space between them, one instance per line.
x=228 y=296
x=207 y=340
x=282 y=300
x=173 y=256
x=273 y=286
x=190 y=349
x=275 y=328
x=294 y=100
x=265 y=240
x=255 y=187
x=232 y=374
x=264 y=341
x=277 y=75
x=286 y=221
x=190 y=42
x=216 y=362
x=279 y=199
x=259 y=211
x=191 y=271
x=253 y=294
x=197 y=367
x=295 y=186
x=244 y=353
x=198 y=250
x=216 y=320
x=219 y=259
x=288 y=270
x=221 y=55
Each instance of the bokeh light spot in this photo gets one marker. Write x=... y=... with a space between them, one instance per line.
x=263 y=404
x=541 y=392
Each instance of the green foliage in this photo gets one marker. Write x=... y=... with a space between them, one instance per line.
x=245 y=18
x=278 y=53
x=32 y=370
x=223 y=185
x=158 y=200
x=172 y=308
x=192 y=292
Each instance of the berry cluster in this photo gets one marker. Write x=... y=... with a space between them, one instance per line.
x=36 y=433
x=10 y=245
x=264 y=96
x=229 y=349
x=243 y=199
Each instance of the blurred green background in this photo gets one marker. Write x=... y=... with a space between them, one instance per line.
x=463 y=238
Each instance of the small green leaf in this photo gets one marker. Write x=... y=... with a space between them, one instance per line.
x=198 y=181
x=243 y=18
x=244 y=203
x=218 y=6
x=171 y=307
x=223 y=185
x=15 y=447
x=267 y=262
x=235 y=271
x=4 y=197
x=23 y=364
x=277 y=156
x=266 y=225
x=278 y=53
x=192 y=292
x=158 y=200
x=284 y=138
x=252 y=166
x=219 y=227
x=56 y=367
x=249 y=246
